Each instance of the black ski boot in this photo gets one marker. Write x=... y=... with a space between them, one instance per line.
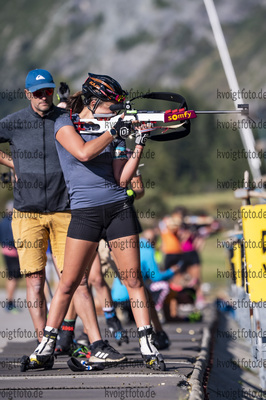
x=65 y=343
x=160 y=340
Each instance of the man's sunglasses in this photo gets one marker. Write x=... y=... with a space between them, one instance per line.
x=43 y=92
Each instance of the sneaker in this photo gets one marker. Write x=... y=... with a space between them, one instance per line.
x=161 y=340
x=83 y=340
x=11 y=308
x=103 y=352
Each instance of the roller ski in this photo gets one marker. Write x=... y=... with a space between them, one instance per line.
x=43 y=355
x=102 y=355
x=151 y=357
x=77 y=365
x=36 y=362
x=117 y=331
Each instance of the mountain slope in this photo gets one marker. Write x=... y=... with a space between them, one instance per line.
x=152 y=44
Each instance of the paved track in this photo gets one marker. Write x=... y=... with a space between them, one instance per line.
x=131 y=381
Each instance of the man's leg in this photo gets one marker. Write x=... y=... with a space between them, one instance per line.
x=31 y=240
x=35 y=295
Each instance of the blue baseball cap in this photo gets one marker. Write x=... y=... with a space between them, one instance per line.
x=39 y=79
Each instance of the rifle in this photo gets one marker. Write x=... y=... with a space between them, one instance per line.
x=173 y=124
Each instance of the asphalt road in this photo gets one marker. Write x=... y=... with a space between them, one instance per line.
x=132 y=381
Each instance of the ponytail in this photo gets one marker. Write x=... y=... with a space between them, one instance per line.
x=75 y=103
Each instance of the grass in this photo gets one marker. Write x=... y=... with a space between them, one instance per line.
x=214 y=260
x=208 y=202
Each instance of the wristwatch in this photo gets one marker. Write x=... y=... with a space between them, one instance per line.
x=113 y=132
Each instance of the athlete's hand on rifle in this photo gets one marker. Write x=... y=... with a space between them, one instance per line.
x=141 y=138
x=123 y=128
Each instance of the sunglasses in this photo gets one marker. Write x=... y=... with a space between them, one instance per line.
x=43 y=92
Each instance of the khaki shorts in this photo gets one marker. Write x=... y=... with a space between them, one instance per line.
x=105 y=257
x=31 y=231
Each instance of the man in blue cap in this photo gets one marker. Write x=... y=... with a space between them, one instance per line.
x=41 y=200
x=39 y=90
x=40 y=194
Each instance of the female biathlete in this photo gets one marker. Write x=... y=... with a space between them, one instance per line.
x=97 y=172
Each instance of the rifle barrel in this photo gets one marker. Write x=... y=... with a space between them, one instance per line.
x=221 y=112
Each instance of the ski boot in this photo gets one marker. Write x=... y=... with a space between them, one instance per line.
x=42 y=357
x=160 y=340
x=151 y=357
x=117 y=331
x=65 y=342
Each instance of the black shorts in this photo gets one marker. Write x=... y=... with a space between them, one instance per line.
x=12 y=266
x=186 y=259
x=113 y=221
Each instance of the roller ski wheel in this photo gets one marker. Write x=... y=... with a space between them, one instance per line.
x=155 y=362
x=45 y=362
x=24 y=363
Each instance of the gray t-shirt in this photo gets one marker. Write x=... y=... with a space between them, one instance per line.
x=90 y=183
x=40 y=185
